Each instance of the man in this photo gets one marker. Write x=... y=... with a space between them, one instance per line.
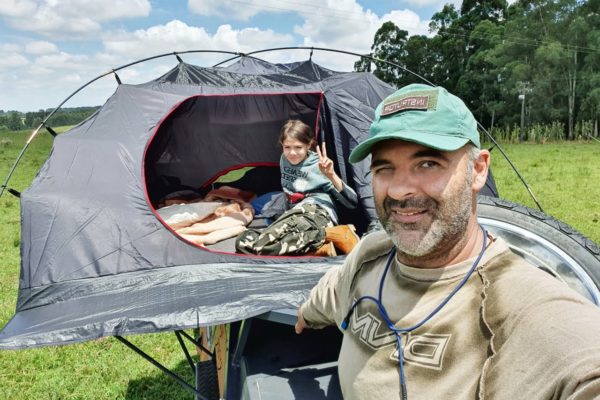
x=433 y=307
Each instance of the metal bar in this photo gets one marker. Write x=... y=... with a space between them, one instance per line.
x=185 y=351
x=164 y=369
x=197 y=343
x=51 y=131
x=511 y=165
x=241 y=342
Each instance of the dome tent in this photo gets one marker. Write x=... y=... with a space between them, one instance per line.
x=96 y=258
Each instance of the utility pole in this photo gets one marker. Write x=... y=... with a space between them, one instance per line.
x=522 y=98
x=523 y=87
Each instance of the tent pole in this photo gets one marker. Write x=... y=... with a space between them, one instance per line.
x=185 y=351
x=164 y=369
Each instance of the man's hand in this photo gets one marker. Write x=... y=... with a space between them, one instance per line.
x=300 y=324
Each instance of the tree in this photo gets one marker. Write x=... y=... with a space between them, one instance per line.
x=389 y=44
x=479 y=84
x=14 y=122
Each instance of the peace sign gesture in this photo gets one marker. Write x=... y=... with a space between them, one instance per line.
x=325 y=163
x=326 y=167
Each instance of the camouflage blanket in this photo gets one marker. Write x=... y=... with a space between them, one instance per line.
x=299 y=230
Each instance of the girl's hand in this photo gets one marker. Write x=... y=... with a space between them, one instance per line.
x=326 y=167
x=325 y=163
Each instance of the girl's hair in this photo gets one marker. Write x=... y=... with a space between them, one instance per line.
x=297 y=130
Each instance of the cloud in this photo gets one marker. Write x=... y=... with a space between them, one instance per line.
x=63 y=61
x=407 y=20
x=9 y=47
x=11 y=57
x=40 y=47
x=17 y=8
x=338 y=24
x=63 y=18
x=243 y=10
x=425 y=3
x=346 y=25
x=177 y=36
x=12 y=60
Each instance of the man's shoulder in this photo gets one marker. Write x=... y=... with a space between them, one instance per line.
x=371 y=247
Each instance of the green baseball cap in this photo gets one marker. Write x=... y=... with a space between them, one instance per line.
x=423 y=114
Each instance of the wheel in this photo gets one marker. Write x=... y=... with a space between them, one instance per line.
x=545 y=242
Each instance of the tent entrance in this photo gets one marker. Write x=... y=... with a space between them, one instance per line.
x=206 y=136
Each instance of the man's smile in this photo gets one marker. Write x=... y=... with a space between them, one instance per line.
x=408 y=216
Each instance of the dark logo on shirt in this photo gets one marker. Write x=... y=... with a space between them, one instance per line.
x=425 y=350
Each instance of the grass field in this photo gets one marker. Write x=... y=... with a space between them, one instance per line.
x=563 y=176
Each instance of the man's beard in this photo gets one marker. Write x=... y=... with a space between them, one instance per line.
x=449 y=220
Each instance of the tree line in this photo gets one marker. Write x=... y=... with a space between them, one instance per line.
x=15 y=120
x=531 y=63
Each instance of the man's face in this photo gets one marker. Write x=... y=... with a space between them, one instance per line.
x=423 y=196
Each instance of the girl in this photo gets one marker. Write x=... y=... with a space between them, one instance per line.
x=312 y=189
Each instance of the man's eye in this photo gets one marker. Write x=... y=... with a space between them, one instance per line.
x=380 y=170
x=429 y=164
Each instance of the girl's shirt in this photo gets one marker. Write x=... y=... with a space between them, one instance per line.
x=305 y=183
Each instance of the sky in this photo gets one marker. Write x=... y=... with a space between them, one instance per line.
x=50 y=48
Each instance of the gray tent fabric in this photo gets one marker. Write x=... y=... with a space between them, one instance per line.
x=96 y=258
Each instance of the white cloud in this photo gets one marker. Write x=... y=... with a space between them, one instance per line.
x=407 y=20
x=71 y=78
x=12 y=60
x=342 y=22
x=338 y=24
x=17 y=8
x=345 y=25
x=40 y=47
x=66 y=17
x=38 y=70
x=63 y=61
x=178 y=36
x=425 y=3
x=9 y=47
x=242 y=10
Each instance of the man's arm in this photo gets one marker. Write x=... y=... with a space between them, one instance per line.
x=329 y=300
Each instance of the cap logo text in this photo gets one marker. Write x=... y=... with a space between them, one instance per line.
x=406 y=103
x=422 y=100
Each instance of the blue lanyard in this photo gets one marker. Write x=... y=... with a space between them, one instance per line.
x=398 y=331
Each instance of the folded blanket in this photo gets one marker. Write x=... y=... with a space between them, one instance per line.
x=223 y=213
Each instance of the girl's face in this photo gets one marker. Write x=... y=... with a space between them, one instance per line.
x=295 y=151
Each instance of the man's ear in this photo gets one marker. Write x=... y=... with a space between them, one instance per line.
x=481 y=165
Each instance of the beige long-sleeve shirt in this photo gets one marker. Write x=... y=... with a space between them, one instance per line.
x=512 y=332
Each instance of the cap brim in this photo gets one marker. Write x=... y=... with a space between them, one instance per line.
x=434 y=140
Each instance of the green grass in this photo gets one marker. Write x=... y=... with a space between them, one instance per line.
x=564 y=177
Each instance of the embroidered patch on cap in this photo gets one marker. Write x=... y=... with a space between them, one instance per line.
x=416 y=100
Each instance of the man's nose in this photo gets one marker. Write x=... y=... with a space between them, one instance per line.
x=403 y=185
